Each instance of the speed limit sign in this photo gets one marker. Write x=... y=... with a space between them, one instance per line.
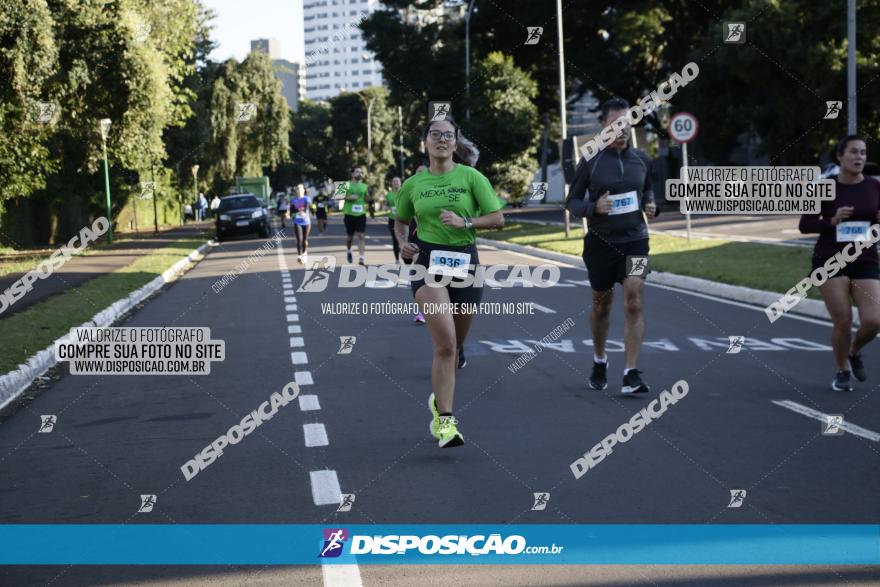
x=683 y=127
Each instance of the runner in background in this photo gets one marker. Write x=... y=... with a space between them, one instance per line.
x=391 y=201
x=355 y=194
x=445 y=200
x=302 y=222
x=322 y=208
x=282 y=208
x=613 y=192
x=844 y=220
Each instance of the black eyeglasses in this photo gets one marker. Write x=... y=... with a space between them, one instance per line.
x=437 y=135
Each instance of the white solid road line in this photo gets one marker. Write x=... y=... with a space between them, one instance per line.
x=341 y=575
x=817 y=415
x=296 y=342
x=303 y=378
x=299 y=358
x=739 y=304
x=294 y=329
x=685 y=291
x=315 y=435
x=325 y=487
x=541 y=308
x=309 y=403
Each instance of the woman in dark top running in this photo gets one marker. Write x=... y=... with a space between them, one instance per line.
x=851 y=217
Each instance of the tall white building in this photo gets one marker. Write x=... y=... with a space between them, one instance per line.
x=336 y=57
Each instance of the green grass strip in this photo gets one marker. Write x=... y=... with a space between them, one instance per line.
x=25 y=333
x=767 y=267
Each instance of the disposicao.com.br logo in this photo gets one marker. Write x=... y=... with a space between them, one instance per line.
x=476 y=545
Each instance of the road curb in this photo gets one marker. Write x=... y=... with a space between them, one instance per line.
x=14 y=383
x=738 y=293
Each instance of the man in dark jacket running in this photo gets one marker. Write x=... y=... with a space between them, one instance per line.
x=613 y=192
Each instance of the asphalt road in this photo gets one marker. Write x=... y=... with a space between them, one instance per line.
x=119 y=437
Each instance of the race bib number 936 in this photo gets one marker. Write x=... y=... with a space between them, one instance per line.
x=449 y=263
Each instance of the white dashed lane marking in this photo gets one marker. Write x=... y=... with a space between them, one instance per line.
x=325 y=487
x=309 y=403
x=303 y=378
x=315 y=435
x=293 y=317
x=294 y=329
x=296 y=342
x=299 y=358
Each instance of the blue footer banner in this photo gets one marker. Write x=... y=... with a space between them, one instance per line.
x=294 y=544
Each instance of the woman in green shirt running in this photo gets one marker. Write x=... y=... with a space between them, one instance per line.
x=446 y=201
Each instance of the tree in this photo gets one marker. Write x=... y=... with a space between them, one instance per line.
x=121 y=60
x=249 y=121
x=504 y=123
x=28 y=57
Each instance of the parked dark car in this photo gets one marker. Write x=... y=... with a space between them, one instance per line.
x=241 y=214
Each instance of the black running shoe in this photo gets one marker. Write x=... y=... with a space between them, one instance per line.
x=462 y=360
x=632 y=383
x=841 y=382
x=348 y=256
x=599 y=377
x=858 y=367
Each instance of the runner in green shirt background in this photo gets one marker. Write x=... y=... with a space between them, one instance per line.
x=355 y=193
x=445 y=201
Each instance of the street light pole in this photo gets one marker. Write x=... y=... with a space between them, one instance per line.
x=852 y=121
x=467 y=58
x=400 y=127
x=195 y=170
x=563 y=129
x=104 y=127
x=155 y=196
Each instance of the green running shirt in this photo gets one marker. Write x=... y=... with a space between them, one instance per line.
x=359 y=206
x=462 y=190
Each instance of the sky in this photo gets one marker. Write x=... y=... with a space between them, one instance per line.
x=239 y=22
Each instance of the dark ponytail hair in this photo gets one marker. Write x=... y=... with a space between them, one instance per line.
x=845 y=141
x=465 y=149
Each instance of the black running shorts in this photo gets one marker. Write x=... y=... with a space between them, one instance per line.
x=606 y=262
x=856 y=270
x=355 y=224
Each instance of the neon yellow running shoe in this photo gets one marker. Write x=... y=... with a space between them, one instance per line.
x=435 y=417
x=448 y=434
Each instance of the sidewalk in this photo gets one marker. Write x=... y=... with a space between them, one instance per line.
x=81 y=269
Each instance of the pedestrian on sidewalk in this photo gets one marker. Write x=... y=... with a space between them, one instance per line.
x=202 y=206
x=215 y=204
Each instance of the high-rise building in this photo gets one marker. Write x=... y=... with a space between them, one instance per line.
x=290 y=74
x=336 y=57
x=293 y=81
x=270 y=46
